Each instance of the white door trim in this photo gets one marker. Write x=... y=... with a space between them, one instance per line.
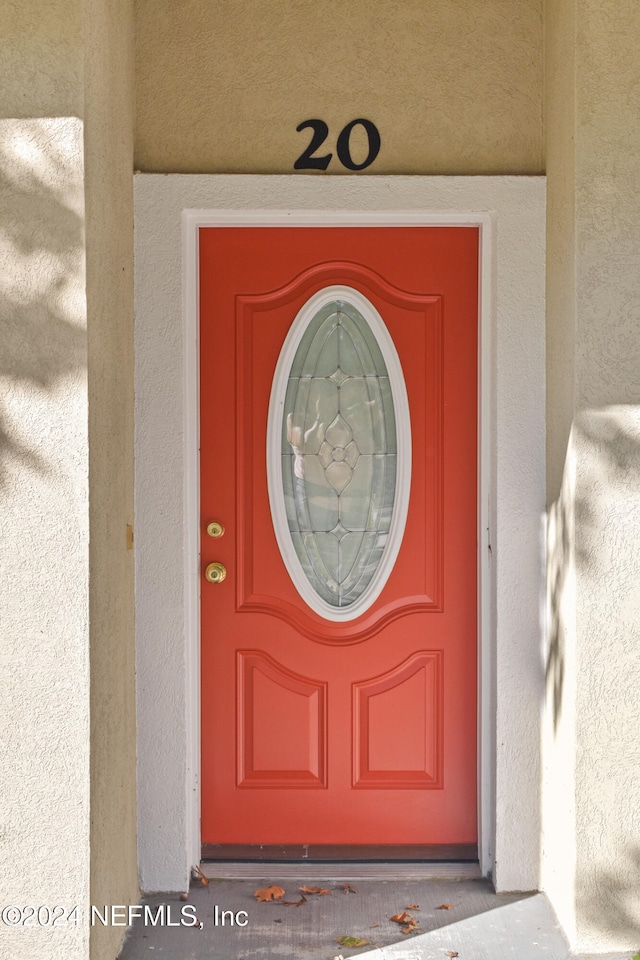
x=509 y=213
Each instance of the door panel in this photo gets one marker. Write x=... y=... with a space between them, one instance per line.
x=416 y=322
x=282 y=730
x=397 y=731
x=361 y=731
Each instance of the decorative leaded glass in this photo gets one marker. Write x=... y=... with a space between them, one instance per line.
x=339 y=453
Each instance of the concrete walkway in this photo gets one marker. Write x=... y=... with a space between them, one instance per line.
x=462 y=918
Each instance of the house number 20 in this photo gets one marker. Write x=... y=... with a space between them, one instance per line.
x=307 y=161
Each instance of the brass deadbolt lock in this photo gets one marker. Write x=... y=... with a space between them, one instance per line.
x=215 y=529
x=215 y=572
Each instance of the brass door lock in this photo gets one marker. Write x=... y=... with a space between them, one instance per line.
x=215 y=572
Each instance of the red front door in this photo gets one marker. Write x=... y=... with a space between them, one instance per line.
x=361 y=731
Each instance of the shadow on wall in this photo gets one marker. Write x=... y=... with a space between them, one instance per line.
x=594 y=531
x=581 y=525
x=611 y=906
x=42 y=308
x=559 y=532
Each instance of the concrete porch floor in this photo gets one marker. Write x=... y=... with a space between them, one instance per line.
x=479 y=925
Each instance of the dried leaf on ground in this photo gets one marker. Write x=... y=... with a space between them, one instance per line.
x=412 y=906
x=279 y=920
x=293 y=903
x=407 y=923
x=374 y=925
x=319 y=890
x=348 y=888
x=444 y=906
x=452 y=953
x=197 y=874
x=352 y=942
x=266 y=894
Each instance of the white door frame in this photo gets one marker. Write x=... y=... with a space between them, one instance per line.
x=509 y=213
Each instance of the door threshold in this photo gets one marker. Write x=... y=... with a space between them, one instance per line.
x=345 y=870
x=342 y=853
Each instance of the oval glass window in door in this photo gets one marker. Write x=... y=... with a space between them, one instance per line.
x=339 y=453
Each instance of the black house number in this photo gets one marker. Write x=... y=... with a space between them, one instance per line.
x=307 y=160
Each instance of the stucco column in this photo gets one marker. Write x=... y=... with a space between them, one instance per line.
x=44 y=694
x=108 y=92
x=593 y=710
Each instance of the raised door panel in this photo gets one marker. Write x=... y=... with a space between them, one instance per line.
x=398 y=726
x=282 y=735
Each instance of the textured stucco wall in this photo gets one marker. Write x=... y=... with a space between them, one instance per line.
x=41 y=64
x=608 y=480
x=454 y=87
x=560 y=120
x=67 y=818
x=109 y=237
x=558 y=809
x=602 y=669
x=608 y=679
x=44 y=692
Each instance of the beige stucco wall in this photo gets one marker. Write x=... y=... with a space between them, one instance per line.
x=41 y=63
x=558 y=796
x=560 y=119
x=454 y=87
x=109 y=238
x=44 y=693
x=66 y=700
x=594 y=168
x=608 y=483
